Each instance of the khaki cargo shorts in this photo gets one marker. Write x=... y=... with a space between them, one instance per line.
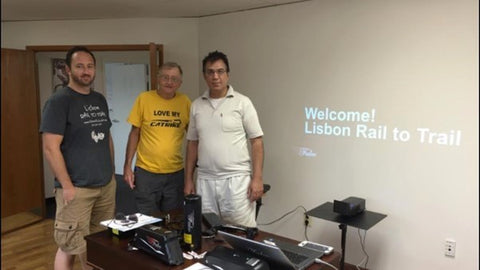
x=82 y=216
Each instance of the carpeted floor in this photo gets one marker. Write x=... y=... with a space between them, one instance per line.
x=125 y=201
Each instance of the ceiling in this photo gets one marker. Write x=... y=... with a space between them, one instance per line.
x=39 y=10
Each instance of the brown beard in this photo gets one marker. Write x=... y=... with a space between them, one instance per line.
x=80 y=82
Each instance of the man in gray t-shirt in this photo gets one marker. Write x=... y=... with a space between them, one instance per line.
x=78 y=147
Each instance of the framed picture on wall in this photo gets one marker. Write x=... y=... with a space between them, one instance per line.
x=60 y=75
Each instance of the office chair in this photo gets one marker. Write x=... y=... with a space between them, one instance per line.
x=266 y=187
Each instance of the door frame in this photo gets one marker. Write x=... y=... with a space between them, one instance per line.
x=156 y=53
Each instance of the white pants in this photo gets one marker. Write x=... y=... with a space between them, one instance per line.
x=228 y=198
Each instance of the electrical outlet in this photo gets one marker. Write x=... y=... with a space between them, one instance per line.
x=307 y=221
x=450 y=246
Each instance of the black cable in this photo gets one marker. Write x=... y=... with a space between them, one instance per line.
x=286 y=214
x=306 y=222
x=362 y=243
x=306 y=227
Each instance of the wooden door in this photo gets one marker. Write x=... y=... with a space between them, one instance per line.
x=22 y=168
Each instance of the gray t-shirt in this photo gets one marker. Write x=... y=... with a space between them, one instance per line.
x=84 y=122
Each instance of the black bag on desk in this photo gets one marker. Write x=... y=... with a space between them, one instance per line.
x=226 y=258
x=159 y=242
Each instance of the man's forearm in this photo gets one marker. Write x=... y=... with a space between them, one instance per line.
x=190 y=162
x=57 y=164
x=51 y=148
x=257 y=157
x=132 y=144
x=191 y=159
x=112 y=152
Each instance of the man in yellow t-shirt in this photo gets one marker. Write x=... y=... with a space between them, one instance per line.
x=159 y=122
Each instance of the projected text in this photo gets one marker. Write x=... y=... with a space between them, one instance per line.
x=361 y=124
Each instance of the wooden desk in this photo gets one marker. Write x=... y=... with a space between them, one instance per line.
x=105 y=251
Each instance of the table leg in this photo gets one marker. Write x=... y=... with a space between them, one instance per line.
x=343 y=227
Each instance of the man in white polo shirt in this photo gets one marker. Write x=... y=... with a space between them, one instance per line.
x=221 y=122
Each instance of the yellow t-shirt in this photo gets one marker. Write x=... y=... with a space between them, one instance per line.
x=163 y=124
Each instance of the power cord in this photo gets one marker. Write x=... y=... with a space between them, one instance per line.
x=362 y=243
x=284 y=215
x=305 y=231
x=306 y=222
x=318 y=260
x=288 y=213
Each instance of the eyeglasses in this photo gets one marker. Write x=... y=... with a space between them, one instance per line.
x=167 y=78
x=211 y=72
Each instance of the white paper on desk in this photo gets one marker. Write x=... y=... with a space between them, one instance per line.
x=142 y=220
x=197 y=266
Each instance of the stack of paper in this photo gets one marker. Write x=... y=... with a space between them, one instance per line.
x=123 y=227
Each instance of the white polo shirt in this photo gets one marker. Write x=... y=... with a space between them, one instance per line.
x=223 y=133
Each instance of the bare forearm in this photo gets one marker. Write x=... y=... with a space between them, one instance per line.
x=132 y=144
x=51 y=148
x=112 y=152
x=257 y=158
x=191 y=159
x=190 y=162
x=255 y=190
x=57 y=164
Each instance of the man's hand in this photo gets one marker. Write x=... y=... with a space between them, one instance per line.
x=133 y=138
x=190 y=162
x=255 y=190
x=68 y=194
x=129 y=177
x=189 y=187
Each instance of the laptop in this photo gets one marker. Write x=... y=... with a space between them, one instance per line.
x=281 y=256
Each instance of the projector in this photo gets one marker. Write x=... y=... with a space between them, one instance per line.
x=351 y=206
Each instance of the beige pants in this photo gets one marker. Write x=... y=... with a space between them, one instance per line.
x=228 y=198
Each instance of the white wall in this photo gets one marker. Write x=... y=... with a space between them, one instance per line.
x=416 y=64
x=179 y=37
